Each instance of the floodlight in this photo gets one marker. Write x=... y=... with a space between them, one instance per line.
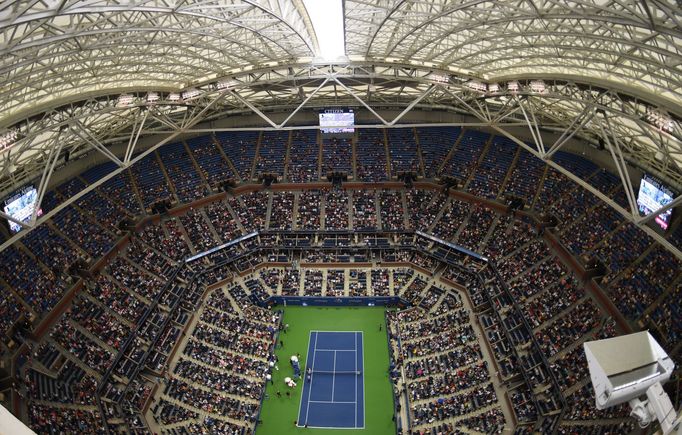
x=153 y=97
x=538 y=86
x=623 y=369
x=8 y=138
x=440 y=78
x=659 y=119
x=476 y=86
x=493 y=88
x=227 y=84
x=125 y=100
x=173 y=96
x=513 y=86
x=190 y=93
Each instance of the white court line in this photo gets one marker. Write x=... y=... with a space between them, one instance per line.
x=336 y=350
x=333 y=376
x=333 y=427
x=364 y=399
x=300 y=406
x=310 y=386
x=327 y=401
x=355 y=381
x=324 y=330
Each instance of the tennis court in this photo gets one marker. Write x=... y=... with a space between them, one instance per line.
x=333 y=395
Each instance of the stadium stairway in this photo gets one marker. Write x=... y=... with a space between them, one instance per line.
x=234 y=214
x=287 y=157
x=169 y=183
x=406 y=215
x=488 y=235
x=209 y=224
x=377 y=211
x=438 y=215
x=354 y=157
x=185 y=235
x=254 y=164
x=136 y=189
x=420 y=156
x=463 y=225
x=351 y=214
x=235 y=172
x=477 y=163
x=294 y=211
x=323 y=211
x=540 y=183
x=387 y=153
x=268 y=212
x=510 y=171
x=453 y=150
x=195 y=164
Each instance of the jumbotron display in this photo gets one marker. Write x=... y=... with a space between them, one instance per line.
x=652 y=196
x=337 y=121
x=20 y=206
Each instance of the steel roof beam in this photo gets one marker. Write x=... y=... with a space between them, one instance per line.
x=621 y=167
x=134 y=137
x=357 y=97
x=416 y=101
x=581 y=120
x=642 y=220
x=582 y=183
x=195 y=119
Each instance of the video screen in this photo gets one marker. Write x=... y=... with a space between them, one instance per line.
x=652 y=196
x=341 y=121
x=20 y=206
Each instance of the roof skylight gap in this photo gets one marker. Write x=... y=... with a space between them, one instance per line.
x=327 y=19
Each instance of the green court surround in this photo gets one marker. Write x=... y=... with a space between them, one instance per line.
x=279 y=413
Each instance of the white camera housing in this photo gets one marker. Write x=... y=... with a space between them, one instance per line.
x=626 y=368
x=623 y=368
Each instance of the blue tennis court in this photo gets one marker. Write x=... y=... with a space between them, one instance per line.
x=334 y=396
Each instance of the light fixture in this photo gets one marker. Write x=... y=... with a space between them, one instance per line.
x=493 y=88
x=538 y=86
x=659 y=119
x=125 y=100
x=190 y=93
x=152 y=97
x=8 y=138
x=513 y=86
x=174 y=96
x=476 y=86
x=440 y=78
x=226 y=84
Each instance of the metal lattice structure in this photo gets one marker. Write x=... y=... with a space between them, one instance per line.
x=81 y=76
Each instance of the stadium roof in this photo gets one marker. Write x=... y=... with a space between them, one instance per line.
x=82 y=75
